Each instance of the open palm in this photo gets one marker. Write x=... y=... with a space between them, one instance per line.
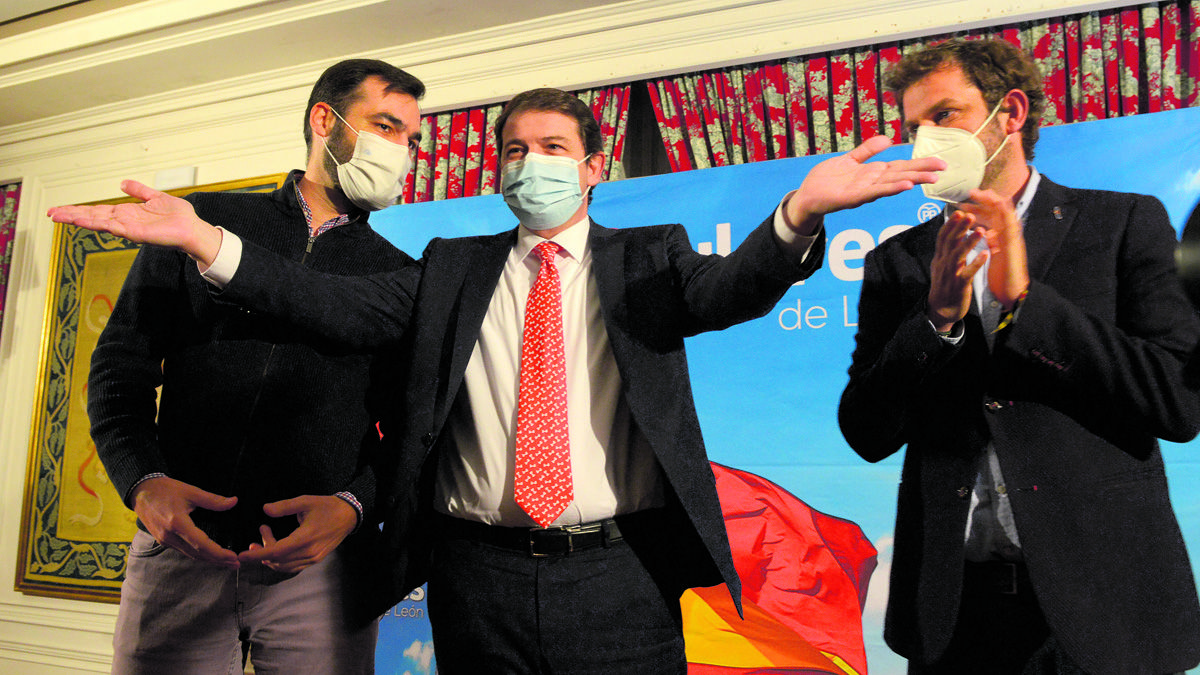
x=159 y=219
x=849 y=180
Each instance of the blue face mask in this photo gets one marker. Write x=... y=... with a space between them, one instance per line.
x=542 y=190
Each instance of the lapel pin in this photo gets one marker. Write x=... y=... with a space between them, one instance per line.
x=1058 y=213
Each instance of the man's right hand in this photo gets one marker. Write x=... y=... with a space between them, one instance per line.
x=159 y=219
x=950 y=274
x=164 y=505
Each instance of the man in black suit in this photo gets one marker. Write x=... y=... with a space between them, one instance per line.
x=593 y=584
x=1027 y=346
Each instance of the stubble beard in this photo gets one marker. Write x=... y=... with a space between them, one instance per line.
x=992 y=137
x=338 y=147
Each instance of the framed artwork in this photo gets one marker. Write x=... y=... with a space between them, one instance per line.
x=10 y=196
x=75 y=530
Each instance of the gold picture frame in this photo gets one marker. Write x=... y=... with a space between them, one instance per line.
x=75 y=530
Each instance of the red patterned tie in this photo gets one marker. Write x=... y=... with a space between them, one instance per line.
x=542 y=485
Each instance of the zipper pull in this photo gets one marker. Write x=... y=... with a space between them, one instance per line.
x=311 y=241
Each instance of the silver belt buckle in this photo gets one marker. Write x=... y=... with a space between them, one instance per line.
x=569 y=530
x=533 y=552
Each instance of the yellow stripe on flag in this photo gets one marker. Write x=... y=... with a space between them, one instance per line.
x=715 y=635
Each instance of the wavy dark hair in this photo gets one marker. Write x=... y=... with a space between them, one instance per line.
x=994 y=66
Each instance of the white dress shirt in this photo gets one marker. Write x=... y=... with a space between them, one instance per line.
x=613 y=467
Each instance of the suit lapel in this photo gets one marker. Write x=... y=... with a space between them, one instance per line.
x=608 y=254
x=1051 y=215
x=483 y=265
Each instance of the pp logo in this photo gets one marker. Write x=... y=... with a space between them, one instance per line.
x=927 y=211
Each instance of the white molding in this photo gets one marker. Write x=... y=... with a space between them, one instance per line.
x=55 y=654
x=613 y=43
x=89 y=35
x=218 y=119
x=90 y=618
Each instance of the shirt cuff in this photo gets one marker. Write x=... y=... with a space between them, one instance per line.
x=954 y=337
x=225 y=265
x=798 y=244
x=354 y=503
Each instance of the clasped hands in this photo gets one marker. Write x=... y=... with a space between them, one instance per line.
x=164 y=505
x=986 y=217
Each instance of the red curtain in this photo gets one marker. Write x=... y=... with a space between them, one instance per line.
x=9 y=196
x=1116 y=62
x=458 y=156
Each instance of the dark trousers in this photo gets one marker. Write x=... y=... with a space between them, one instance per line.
x=1000 y=629
x=496 y=610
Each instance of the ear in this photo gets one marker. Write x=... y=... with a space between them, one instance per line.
x=595 y=169
x=1016 y=104
x=321 y=119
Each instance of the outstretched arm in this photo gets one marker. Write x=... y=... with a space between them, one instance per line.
x=849 y=180
x=158 y=219
x=360 y=312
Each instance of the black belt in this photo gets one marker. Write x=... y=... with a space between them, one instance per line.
x=535 y=541
x=996 y=576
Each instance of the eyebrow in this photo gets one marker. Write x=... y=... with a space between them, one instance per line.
x=541 y=139
x=906 y=123
x=398 y=123
x=939 y=105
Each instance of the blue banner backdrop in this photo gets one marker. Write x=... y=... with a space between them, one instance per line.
x=767 y=391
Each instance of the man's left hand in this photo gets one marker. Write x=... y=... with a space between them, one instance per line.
x=1008 y=272
x=324 y=522
x=849 y=180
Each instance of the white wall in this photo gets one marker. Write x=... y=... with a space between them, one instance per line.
x=230 y=132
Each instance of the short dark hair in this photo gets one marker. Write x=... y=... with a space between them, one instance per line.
x=338 y=86
x=559 y=101
x=994 y=66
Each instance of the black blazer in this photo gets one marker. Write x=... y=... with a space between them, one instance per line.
x=654 y=289
x=1073 y=397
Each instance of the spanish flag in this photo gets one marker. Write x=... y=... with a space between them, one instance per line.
x=804 y=582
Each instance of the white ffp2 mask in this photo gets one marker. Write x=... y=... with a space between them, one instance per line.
x=964 y=155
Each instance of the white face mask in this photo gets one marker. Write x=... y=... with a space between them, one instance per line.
x=964 y=155
x=373 y=178
x=542 y=190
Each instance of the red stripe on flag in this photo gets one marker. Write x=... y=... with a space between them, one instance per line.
x=807 y=570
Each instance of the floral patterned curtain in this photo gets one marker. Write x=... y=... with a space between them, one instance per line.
x=458 y=156
x=1102 y=64
x=9 y=196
